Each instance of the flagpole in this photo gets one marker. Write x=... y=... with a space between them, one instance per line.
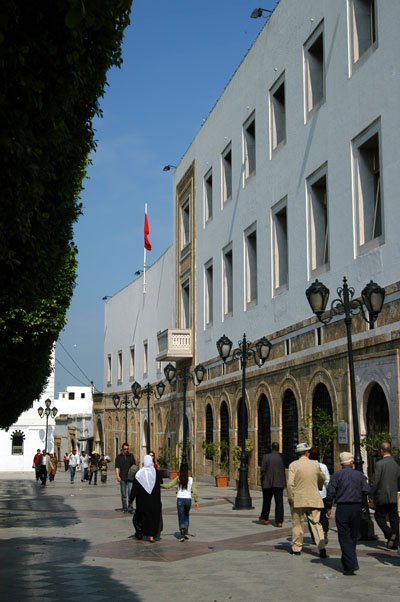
x=144 y=259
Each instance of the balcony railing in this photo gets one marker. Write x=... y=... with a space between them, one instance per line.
x=174 y=344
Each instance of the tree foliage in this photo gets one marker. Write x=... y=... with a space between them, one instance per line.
x=323 y=431
x=54 y=56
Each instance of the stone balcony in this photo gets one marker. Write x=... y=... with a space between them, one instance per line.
x=174 y=344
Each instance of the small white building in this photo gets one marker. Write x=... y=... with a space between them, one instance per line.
x=74 y=423
x=18 y=443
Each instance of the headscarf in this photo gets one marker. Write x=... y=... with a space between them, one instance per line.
x=147 y=475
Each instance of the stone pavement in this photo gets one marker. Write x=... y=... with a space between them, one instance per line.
x=69 y=542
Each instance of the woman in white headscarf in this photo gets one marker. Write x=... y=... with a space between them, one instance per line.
x=147 y=518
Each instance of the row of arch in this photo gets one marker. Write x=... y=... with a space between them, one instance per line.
x=377 y=420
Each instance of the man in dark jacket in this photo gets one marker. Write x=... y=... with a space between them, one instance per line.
x=273 y=482
x=123 y=462
x=384 y=494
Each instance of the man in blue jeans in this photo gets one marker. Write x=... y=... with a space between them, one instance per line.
x=73 y=463
x=123 y=462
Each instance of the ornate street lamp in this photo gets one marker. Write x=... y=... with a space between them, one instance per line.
x=373 y=297
x=259 y=353
x=172 y=376
x=126 y=403
x=47 y=412
x=149 y=390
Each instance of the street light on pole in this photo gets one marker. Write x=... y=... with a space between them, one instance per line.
x=47 y=412
x=148 y=389
x=373 y=297
x=260 y=353
x=172 y=376
x=126 y=403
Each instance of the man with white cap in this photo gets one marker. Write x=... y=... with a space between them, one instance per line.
x=304 y=482
x=347 y=487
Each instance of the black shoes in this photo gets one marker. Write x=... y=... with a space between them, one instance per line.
x=350 y=571
x=294 y=553
x=323 y=554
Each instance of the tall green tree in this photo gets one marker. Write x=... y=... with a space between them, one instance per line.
x=54 y=56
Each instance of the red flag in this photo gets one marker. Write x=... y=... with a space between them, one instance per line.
x=147 y=244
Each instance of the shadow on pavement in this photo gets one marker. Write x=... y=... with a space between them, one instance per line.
x=53 y=569
x=25 y=504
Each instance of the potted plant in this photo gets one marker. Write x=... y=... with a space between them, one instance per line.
x=218 y=453
x=237 y=452
x=173 y=466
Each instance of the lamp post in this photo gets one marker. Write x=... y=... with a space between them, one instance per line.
x=47 y=412
x=126 y=403
x=148 y=389
x=260 y=353
x=373 y=297
x=172 y=376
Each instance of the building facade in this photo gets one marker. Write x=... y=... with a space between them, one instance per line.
x=293 y=176
x=74 y=421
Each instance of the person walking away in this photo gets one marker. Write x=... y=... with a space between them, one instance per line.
x=43 y=463
x=186 y=487
x=323 y=519
x=346 y=487
x=304 y=481
x=384 y=495
x=73 y=462
x=93 y=467
x=52 y=467
x=146 y=490
x=123 y=462
x=35 y=464
x=84 y=462
x=103 y=468
x=273 y=482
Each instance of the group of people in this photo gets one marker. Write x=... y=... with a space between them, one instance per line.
x=312 y=493
x=45 y=466
x=144 y=486
x=88 y=465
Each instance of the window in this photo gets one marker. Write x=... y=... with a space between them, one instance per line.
x=280 y=247
x=185 y=215
x=109 y=369
x=362 y=27
x=119 y=366
x=158 y=366
x=250 y=267
x=314 y=71
x=249 y=147
x=145 y=358
x=288 y=346
x=71 y=396
x=185 y=305
x=227 y=174
x=209 y=426
x=17 y=443
x=228 y=281
x=318 y=231
x=83 y=395
x=368 y=189
x=208 y=294
x=208 y=196
x=277 y=113
x=318 y=336
x=132 y=363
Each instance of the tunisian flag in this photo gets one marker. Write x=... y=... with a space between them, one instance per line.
x=147 y=244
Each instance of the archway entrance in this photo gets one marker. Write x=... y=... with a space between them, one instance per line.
x=322 y=401
x=264 y=428
x=377 y=419
x=290 y=427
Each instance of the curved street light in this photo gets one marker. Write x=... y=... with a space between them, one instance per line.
x=47 y=412
x=157 y=392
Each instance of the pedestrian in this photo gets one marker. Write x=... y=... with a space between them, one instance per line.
x=93 y=467
x=347 y=487
x=73 y=462
x=66 y=463
x=304 y=481
x=152 y=454
x=43 y=463
x=35 y=464
x=146 y=490
x=185 y=488
x=273 y=482
x=384 y=495
x=52 y=467
x=84 y=462
x=323 y=519
x=123 y=462
x=103 y=468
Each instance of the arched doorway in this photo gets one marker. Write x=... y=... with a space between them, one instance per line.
x=377 y=419
x=264 y=428
x=224 y=424
x=322 y=401
x=240 y=422
x=290 y=426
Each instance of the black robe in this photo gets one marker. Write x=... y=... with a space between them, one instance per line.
x=147 y=518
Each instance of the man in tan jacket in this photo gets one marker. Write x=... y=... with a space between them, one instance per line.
x=304 y=482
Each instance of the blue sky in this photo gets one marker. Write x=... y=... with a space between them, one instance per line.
x=178 y=57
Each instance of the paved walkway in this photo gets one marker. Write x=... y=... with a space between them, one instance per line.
x=71 y=542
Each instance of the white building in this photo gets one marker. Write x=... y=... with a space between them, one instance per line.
x=74 y=421
x=19 y=443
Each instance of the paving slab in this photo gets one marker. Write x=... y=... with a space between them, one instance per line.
x=68 y=541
